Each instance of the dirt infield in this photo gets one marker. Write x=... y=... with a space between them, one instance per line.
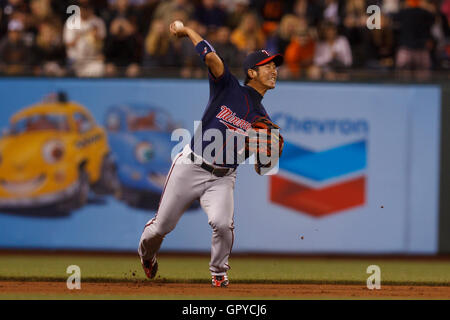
x=239 y=290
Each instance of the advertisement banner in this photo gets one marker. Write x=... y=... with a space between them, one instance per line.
x=83 y=164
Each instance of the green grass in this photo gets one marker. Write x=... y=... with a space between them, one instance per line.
x=248 y=270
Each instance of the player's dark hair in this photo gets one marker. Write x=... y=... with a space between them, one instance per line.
x=247 y=78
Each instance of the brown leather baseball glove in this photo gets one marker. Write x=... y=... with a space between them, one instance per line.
x=262 y=139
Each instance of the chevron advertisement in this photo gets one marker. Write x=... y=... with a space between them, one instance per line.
x=322 y=182
x=359 y=172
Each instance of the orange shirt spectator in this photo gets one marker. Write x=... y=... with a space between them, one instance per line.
x=249 y=35
x=299 y=53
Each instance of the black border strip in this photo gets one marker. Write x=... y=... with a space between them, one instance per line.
x=444 y=190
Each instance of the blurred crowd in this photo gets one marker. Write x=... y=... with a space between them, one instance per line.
x=320 y=39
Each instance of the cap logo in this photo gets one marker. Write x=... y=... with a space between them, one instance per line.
x=265 y=52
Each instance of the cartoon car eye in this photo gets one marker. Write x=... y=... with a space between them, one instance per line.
x=144 y=152
x=53 y=151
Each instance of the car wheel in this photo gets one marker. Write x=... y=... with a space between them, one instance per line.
x=108 y=183
x=130 y=197
x=140 y=200
x=80 y=197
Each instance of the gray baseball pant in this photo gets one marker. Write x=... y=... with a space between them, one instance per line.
x=185 y=183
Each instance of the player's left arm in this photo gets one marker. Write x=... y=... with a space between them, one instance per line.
x=205 y=50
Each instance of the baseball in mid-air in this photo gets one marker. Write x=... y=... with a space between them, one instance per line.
x=178 y=25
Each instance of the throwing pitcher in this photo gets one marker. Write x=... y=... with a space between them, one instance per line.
x=199 y=173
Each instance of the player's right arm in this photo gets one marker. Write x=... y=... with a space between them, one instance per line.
x=210 y=57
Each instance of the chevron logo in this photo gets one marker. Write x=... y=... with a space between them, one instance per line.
x=320 y=183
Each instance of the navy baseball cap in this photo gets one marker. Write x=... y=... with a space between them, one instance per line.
x=261 y=57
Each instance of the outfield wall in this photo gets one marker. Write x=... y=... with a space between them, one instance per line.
x=360 y=172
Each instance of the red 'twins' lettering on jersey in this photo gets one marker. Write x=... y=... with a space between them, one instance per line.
x=231 y=121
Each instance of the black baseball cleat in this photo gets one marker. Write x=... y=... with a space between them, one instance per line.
x=220 y=281
x=150 y=269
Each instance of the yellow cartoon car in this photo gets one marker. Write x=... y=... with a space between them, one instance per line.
x=51 y=155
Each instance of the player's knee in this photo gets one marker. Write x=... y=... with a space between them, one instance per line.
x=221 y=226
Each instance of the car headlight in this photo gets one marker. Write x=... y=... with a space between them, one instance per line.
x=53 y=151
x=144 y=152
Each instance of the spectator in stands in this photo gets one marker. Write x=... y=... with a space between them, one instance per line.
x=165 y=9
x=209 y=14
x=156 y=45
x=85 y=45
x=390 y=7
x=333 y=52
x=414 y=24
x=10 y=6
x=271 y=12
x=145 y=11
x=248 y=36
x=311 y=10
x=445 y=9
x=379 y=46
x=227 y=50
x=120 y=9
x=59 y=8
x=414 y=35
x=440 y=32
x=282 y=37
x=2 y=32
x=14 y=53
x=165 y=52
x=355 y=29
x=13 y=9
x=236 y=12
x=41 y=11
x=299 y=54
x=137 y=3
x=331 y=12
x=121 y=48
x=48 y=50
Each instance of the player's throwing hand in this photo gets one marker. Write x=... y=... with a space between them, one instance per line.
x=178 y=29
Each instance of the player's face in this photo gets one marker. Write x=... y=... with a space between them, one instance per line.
x=267 y=75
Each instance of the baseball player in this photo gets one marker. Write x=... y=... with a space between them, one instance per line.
x=210 y=177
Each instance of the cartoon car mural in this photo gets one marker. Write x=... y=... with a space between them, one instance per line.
x=51 y=155
x=140 y=140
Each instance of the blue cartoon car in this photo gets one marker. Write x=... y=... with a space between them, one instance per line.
x=140 y=141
